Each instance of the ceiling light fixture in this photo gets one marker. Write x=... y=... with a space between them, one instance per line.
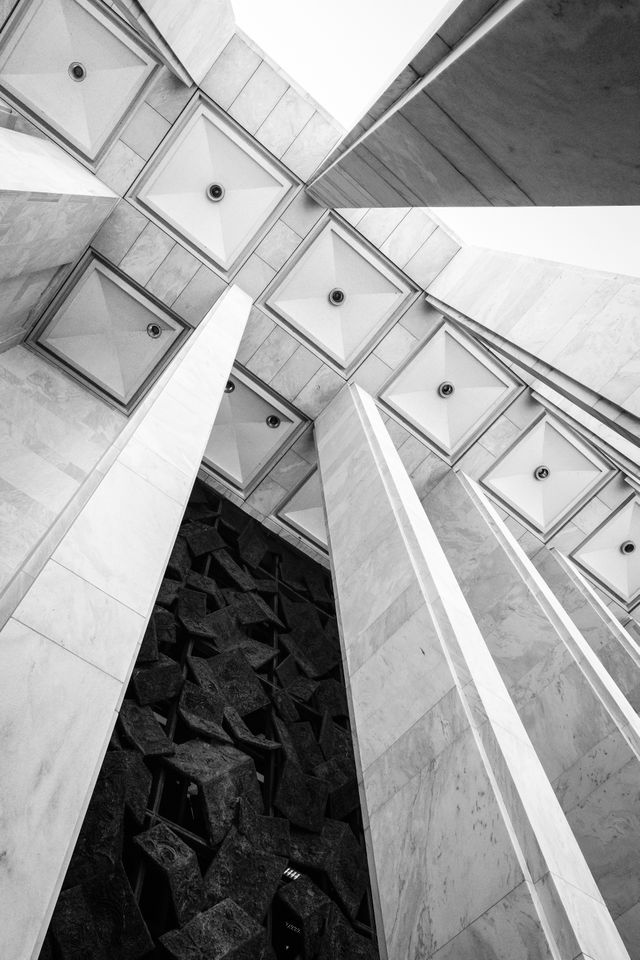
x=337 y=296
x=215 y=192
x=154 y=330
x=77 y=71
x=273 y=421
x=446 y=389
x=541 y=472
x=229 y=386
x=627 y=547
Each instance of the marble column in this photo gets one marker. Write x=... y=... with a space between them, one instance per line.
x=67 y=652
x=583 y=728
x=50 y=208
x=471 y=856
x=618 y=652
x=187 y=35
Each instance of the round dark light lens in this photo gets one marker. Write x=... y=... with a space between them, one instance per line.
x=229 y=387
x=627 y=547
x=337 y=296
x=273 y=421
x=154 y=330
x=541 y=472
x=77 y=70
x=446 y=389
x=215 y=192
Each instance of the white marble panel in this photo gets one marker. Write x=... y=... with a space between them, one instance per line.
x=452 y=860
x=134 y=524
x=56 y=714
x=82 y=619
x=441 y=748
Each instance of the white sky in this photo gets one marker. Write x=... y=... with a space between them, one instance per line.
x=344 y=53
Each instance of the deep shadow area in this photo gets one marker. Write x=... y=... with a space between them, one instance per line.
x=225 y=822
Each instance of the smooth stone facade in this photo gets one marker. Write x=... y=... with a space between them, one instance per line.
x=470 y=853
x=40 y=183
x=584 y=730
x=67 y=653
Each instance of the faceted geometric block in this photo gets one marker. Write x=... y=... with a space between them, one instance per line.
x=237 y=682
x=244 y=736
x=142 y=730
x=223 y=774
x=338 y=294
x=308 y=907
x=611 y=553
x=341 y=942
x=100 y=919
x=202 y=538
x=108 y=334
x=213 y=187
x=304 y=513
x=307 y=642
x=159 y=681
x=449 y=391
x=179 y=865
x=244 y=874
x=74 y=68
x=336 y=852
x=250 y=431
x=225 y=932
x=269 y=834
x=202 y=712
x=301 y=798
x=546 y=475
x=99 y=845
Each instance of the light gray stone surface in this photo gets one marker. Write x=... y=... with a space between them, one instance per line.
x=470 y=852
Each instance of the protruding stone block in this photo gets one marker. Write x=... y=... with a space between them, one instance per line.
x=225 y=932
x=244 y=874
x=179 y=865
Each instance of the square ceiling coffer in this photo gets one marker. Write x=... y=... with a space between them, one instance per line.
x=450 y=391
x=547 y=475
x=75 y=69
x=303 y=511
x=611 y=554
x=339 y=294
x=108 y=333
x=252 y=430
x=213 y=187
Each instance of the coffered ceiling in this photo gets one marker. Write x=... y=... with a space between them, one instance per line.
x=212 y=187
x=74 y=68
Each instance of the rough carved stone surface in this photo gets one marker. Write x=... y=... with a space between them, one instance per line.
x=341 y=942
x=161 y=681
x=179 y=865
x=269 y=834
x=243 y=735
x=202 y=711
x=301 y=798
x=224 y=563
x=165 y=626
x=246 y=875
x=142 y=730
x=201 y=538
x=307 y=642
x=99 y=919
x=223 y=774
x=198 y=581
x=224 y=932
x=238 y=683
x=149 y=646
x=336 y=853
x=179 y=561
x=99 y=845
x=309 y=908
